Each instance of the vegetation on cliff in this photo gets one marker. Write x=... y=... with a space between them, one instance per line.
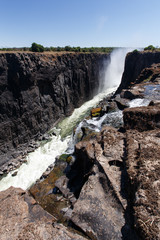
x=37 y=47
x=40 y=48
x=151 y=47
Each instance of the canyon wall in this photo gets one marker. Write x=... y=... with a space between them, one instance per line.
x=135 y=62
x=36 y=90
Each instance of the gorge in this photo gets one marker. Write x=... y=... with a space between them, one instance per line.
x=101 y=184
x=37 y=90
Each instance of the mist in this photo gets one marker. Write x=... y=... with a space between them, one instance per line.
x=112 y=70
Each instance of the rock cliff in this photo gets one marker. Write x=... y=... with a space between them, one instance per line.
x=38 y=89
x=135 y=62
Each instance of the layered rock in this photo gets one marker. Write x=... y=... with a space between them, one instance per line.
x=142 y=148
x=130 y=162
x=36 y=90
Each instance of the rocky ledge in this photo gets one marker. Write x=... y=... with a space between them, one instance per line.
x=22 y=218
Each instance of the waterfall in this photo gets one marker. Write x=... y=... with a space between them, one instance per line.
x=41 y=158
x=112 y=69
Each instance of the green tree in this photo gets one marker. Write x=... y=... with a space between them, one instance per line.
x=37 y=47
x=150 y=47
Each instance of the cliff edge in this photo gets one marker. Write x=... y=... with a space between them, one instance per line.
x=135 y=62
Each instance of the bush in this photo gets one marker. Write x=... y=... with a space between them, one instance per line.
x=150 y=47
x=135 y=51
x=37 y=47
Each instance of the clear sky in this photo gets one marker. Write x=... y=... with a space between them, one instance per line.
x=85 y=23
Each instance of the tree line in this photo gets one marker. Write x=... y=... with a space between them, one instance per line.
x=35 y=47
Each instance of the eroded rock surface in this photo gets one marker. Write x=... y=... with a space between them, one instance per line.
x=22 y=218
x=96 y=175
x=143 y=167
x=122 y=170
x=97 y=212
x=143 y=163
x=142 y=118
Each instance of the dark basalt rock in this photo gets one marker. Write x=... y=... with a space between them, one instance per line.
x=38 y=89
x=135 y=62
x=121 y=103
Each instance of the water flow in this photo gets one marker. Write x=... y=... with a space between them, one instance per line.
x=38 y=161
x=111 y=73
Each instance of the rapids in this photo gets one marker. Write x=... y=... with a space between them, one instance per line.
x=41 y=158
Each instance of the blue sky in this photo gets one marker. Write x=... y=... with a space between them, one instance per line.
x=118 y=23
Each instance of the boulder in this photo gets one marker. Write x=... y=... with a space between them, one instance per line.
x=121 y=103
x=129 y=94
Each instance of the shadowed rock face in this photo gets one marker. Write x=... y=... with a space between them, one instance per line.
x=135 y=62
x=37 y=89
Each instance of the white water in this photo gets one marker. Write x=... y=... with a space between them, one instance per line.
x=40 y=159
x=139 y=102
x=37 y=163
x=113 y=69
